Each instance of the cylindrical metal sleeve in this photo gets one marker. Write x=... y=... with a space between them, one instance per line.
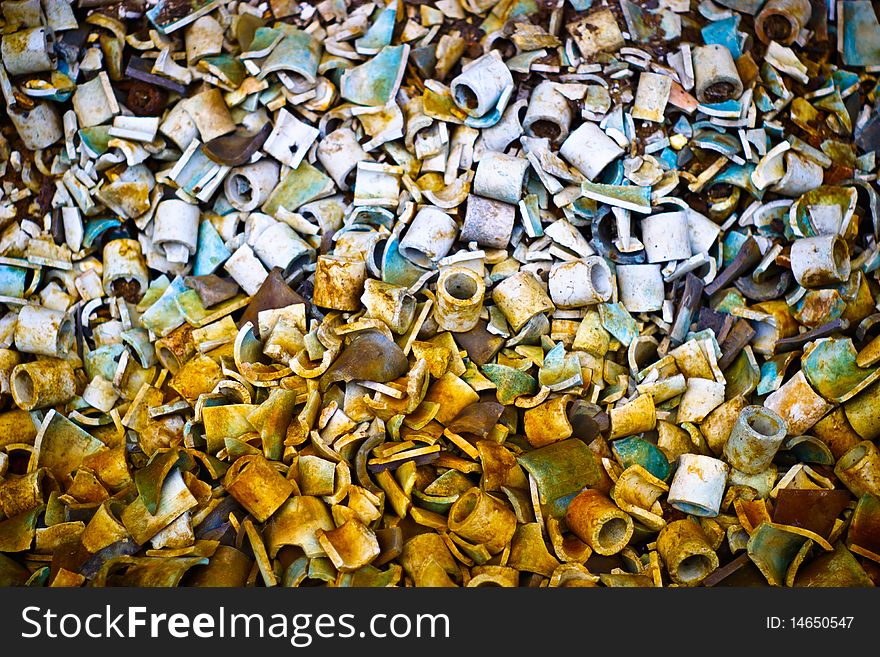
x=716 y=76
x=42 y=384
x=460 y=292
x=520 y=297
x=686 y=551
x=641 y=287
x=480 y=518
x=38 y=128
x=801 y=175
x=429 y=237
x=666 y=237
x=581 y=282
x=339 y=282
x=500 y=177
x=248 y=187
x=246 y=269
x=698 y=485
x=548 y=114
x=280 y=246
x=123 y=262
x=176 y=348
x=393 y=304
x=782 y=20
x=598 y=522
x=28 y=51
x=859 y=469
x=754 y=440
x=339 y=153
x=589 y=149
x=43 y=331
x=820 y=261
x=176 y=222
x=478 y=88
x=203 y=38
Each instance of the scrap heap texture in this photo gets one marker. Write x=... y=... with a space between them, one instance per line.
x=454 y=293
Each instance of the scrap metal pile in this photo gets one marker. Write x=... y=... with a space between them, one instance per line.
x=454 y=293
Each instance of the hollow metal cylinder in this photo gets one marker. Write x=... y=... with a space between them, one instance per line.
x=782 y=20
x=246 y=269
x=666 y=237
x=28 y=51
x=480 y=518
x=124 y=267
x=43 y=331
x=339 y=153
x=820 y=261
x=203 y=38
x=859 y=469
x=716 y=77
x=488 y=222
x=801 y=175
x=460 y=292
x=42 y=384
x=641 y=287
x=590 y=150
x=597 y=521
x=176 y=229
x=280 y=246
x=686 y=552
x=520 y=297
x=248 y=187
x=429 y=237
x=339 y=282
x=548 y=114
x=582 y=282
x=393 y=304
x=500 y=177
x=478 y=88
x=39 y=127
x=755 y=439
x=698 y=485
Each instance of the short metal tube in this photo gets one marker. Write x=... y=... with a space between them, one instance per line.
x=246 y=269
x=280 y=246
x=429 y=237
x=480 y=518
x=782 y=20
x=339 y=282
x=28 y=51
x=636 y=416
x=698 y=485
x=716 y=76
x=460 y=292
x=666 y=237
x=176 y=229
x=339 y=153
x=500 y=177
x=589 y=149
x=248 y=187
x=582 y=282
x=755 y=439
x=42 y=383
x=43 y=331
x=176 y=348
x=685 y=549
x=124 y=268
x=548 y=114
x=478 y=88
x=859 y=469
x=393 y=304
x=801 y=175
x=488 y=222
x=820 y=261
x=203 y=38
x=597 y=521
x=39 y=127
x=520 y=297
x=641 y=287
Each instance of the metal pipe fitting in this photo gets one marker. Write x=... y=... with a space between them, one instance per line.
x=28 y=51
x=488 y=222
x=459 y=302
x=548 y=422
x=582 y=282
x=863 y=413
x=203 y=38
x=801 y=175
x=782 y=20
x=590 y=150
x=548 y=114
x=339 y=153
x=42 y=383
x=685 y=549
x=479 y=86
x=597 y=521
x=176 y=348
x=859 y=469
x=754 y=440
x=43 y=331
x=716 y=76
x=641 y=287
x=636 y=416
x=393 y=304
x=339 y=282
x=698 y=485
x=520 y=297
x=124 y=267
x=280 y=246
x=248 y=187
x=820 y=261
x=666 y=237
x=480 y=518
x=176 y=230
x=500 y=177
x=429 y=237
